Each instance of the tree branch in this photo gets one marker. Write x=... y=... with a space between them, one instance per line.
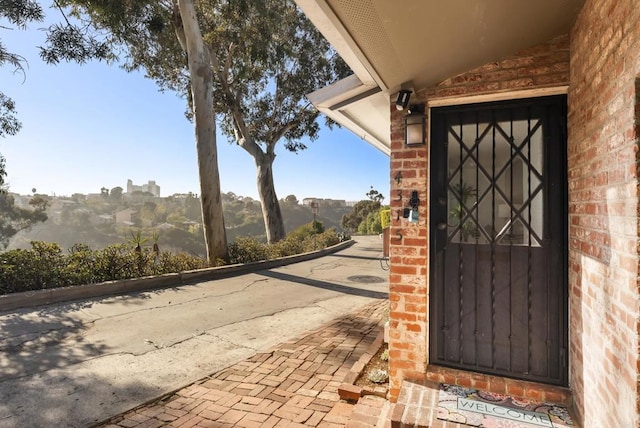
x=176 y=21
x=227 y=63
x=64 y=15
x=245 y=141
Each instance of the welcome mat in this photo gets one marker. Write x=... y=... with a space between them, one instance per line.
x=484 y=409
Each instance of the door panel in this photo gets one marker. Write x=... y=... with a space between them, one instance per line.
x=499 y=238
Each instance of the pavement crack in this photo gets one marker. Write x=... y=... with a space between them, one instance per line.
x=190 y=301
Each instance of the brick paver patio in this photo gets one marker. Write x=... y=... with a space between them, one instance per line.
x=295 y=384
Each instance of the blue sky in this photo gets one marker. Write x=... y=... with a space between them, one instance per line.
x=94 y=125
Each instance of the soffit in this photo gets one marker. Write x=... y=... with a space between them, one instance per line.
x=427 y=41
x=388 y=43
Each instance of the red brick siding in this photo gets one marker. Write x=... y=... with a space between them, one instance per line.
x=603 y=212
x=540 y=66
x=408 y=259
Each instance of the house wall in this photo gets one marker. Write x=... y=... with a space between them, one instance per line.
x=601 y=65
x=604 y=115
x=542 y=66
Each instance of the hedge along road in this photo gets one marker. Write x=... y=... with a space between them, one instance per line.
x=74 y=364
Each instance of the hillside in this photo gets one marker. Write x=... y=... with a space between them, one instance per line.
x=102 y=220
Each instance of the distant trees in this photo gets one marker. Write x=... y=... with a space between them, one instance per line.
x=13 y=219
x=116 y=194
x=365 y=217
x=176 y=219
x=291 y=200
x=374 y=195
x=360 y=211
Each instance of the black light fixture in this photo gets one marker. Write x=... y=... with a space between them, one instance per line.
x=403 y=99
x=415 y=124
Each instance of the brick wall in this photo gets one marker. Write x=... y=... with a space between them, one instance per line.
x=540 y=66
x=408 y=260
x=603 y=212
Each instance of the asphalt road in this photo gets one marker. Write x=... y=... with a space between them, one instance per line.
x=77 y=363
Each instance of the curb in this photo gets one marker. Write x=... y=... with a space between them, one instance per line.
x=348 y=390
x=28 y=299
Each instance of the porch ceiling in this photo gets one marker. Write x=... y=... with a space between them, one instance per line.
x=388 y=43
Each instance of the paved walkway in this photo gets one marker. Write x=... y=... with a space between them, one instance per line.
x=295 y=384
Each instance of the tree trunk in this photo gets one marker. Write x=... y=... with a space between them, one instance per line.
x=205 y=127
x=273 y=223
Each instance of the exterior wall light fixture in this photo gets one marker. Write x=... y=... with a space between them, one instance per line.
x=403 y=99
x=415 y=126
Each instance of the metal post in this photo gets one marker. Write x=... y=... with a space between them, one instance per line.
x=314 y=210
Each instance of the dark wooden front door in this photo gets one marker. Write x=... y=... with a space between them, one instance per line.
x=498 y=301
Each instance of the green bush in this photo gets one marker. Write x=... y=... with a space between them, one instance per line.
x=371 y=224
x=247 y=250
x=40 y=267
x=170 y=263
x=80 y=267
x=287 y=247
x=46 y=266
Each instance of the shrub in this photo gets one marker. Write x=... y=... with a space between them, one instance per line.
x=114 y=262
x=322 y=240
x=80 y=266
x=40 y=267
x=287 y=247
x=247 y=250
x=46 y=266
x=170 y=263
x=371 y=224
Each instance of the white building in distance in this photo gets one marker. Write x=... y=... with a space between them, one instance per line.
x=150 y=187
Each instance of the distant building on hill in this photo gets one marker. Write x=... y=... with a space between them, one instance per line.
x=125 y=216
x=326 y=202
x=150 y=187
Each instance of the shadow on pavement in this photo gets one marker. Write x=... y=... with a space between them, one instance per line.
x=35 y=388
x=30 y=342
x=324 y=285
x=53 y=401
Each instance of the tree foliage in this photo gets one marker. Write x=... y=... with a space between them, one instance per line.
x=374 y=195
x=359 y=214
x=66 y=41
x=371 y=224
x=13 y=219
x=265 y=56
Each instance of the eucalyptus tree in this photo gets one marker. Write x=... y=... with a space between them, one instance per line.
x=248 y=63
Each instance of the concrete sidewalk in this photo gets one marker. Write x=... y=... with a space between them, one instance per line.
x=294 y=384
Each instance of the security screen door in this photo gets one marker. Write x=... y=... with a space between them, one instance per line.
x=498 y=299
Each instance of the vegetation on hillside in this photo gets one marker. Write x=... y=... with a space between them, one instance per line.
x=176 y=219
x=171 y=240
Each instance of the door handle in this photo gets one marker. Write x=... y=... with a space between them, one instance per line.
x=442 y=226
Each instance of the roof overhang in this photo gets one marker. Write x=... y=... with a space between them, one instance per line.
x=362 y=109
x=389 y=43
